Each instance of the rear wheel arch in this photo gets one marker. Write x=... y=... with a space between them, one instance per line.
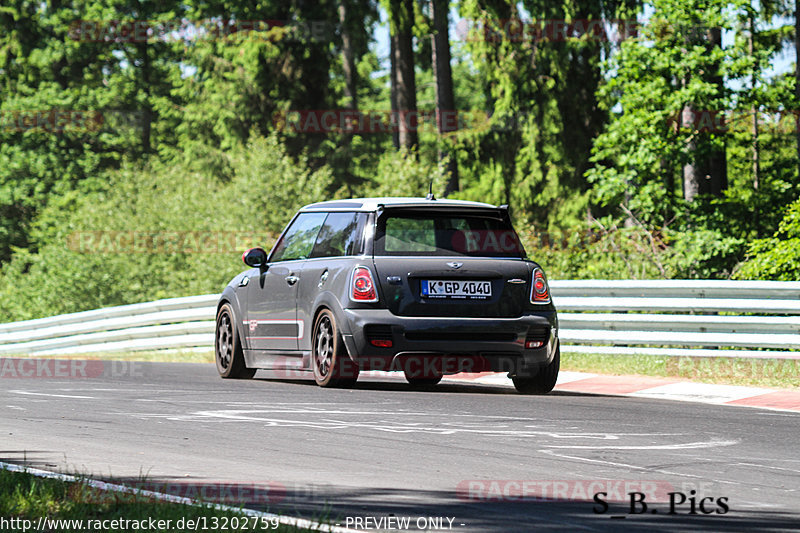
x=341 y=320
x=320 y=308
x=329 y=358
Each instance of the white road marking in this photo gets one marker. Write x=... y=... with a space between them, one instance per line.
x=138 y=390
x=767 y=466
x=28 y=393
x=684 y=446
x=606 y=462
x=389 y=422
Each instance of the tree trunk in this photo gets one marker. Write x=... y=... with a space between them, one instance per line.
x=707 y=173
x=753 y=107
x=350 y=86
x=402 y=22
x=446 y=116
x=797 y=74
x=147 y=117
x=717 y=158
x=393 y=84
x=667 y=171
x=691 y=177
x=348 y=57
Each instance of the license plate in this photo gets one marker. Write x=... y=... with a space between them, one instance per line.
x=464 y=289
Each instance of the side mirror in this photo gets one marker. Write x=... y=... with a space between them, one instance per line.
x=255 y=257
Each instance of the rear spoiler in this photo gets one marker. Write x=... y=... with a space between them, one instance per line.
x=442 y=207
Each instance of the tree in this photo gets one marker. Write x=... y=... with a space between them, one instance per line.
x=672 y=100
x=72 y=98
x=356 y=18
x=256 y=62
x=446 y=118
x=540 y=64
x=401 y=24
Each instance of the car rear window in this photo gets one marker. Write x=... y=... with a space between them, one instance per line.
x=463 y=234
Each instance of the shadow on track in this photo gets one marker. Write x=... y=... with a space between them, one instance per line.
x=373 y=383
x=351 y=506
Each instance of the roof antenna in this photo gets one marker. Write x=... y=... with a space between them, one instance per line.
x=430 y=192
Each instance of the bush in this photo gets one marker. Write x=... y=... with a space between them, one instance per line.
x=157 y=232
x=777 y=257
x=597 y=251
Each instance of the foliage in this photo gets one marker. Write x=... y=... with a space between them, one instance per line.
x=670 y=108
x=72 y=104
x=583 y=137
x=776 y=257
x=159 y=231
x=541 y=95
x=403 y=174
x=645 y=145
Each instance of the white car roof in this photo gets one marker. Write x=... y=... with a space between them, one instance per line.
x=371 y=204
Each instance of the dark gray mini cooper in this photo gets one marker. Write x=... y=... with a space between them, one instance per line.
x=423 y=286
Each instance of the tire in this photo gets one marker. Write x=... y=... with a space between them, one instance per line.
x=422 y=371
x=544 y=381
x=228 y=348
x=331 y=364
x=423 y=382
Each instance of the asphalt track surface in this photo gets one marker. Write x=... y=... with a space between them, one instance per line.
x=484 y=457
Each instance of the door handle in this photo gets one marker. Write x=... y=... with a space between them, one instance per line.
x=291 y=280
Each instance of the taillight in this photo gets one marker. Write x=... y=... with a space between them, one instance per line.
x=381 y=343
x=540 y=293
x=362 y=286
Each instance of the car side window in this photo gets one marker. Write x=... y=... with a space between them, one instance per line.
x=299 y=238
x=340 y=235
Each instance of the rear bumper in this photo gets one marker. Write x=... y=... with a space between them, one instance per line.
x=454 y=344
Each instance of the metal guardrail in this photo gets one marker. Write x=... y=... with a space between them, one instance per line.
x=753 y=319
x=162 y=324
x=664 y=317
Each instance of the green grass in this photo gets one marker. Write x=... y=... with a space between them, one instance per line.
x=157 y=356
x=27 y=497
x=778 y=373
